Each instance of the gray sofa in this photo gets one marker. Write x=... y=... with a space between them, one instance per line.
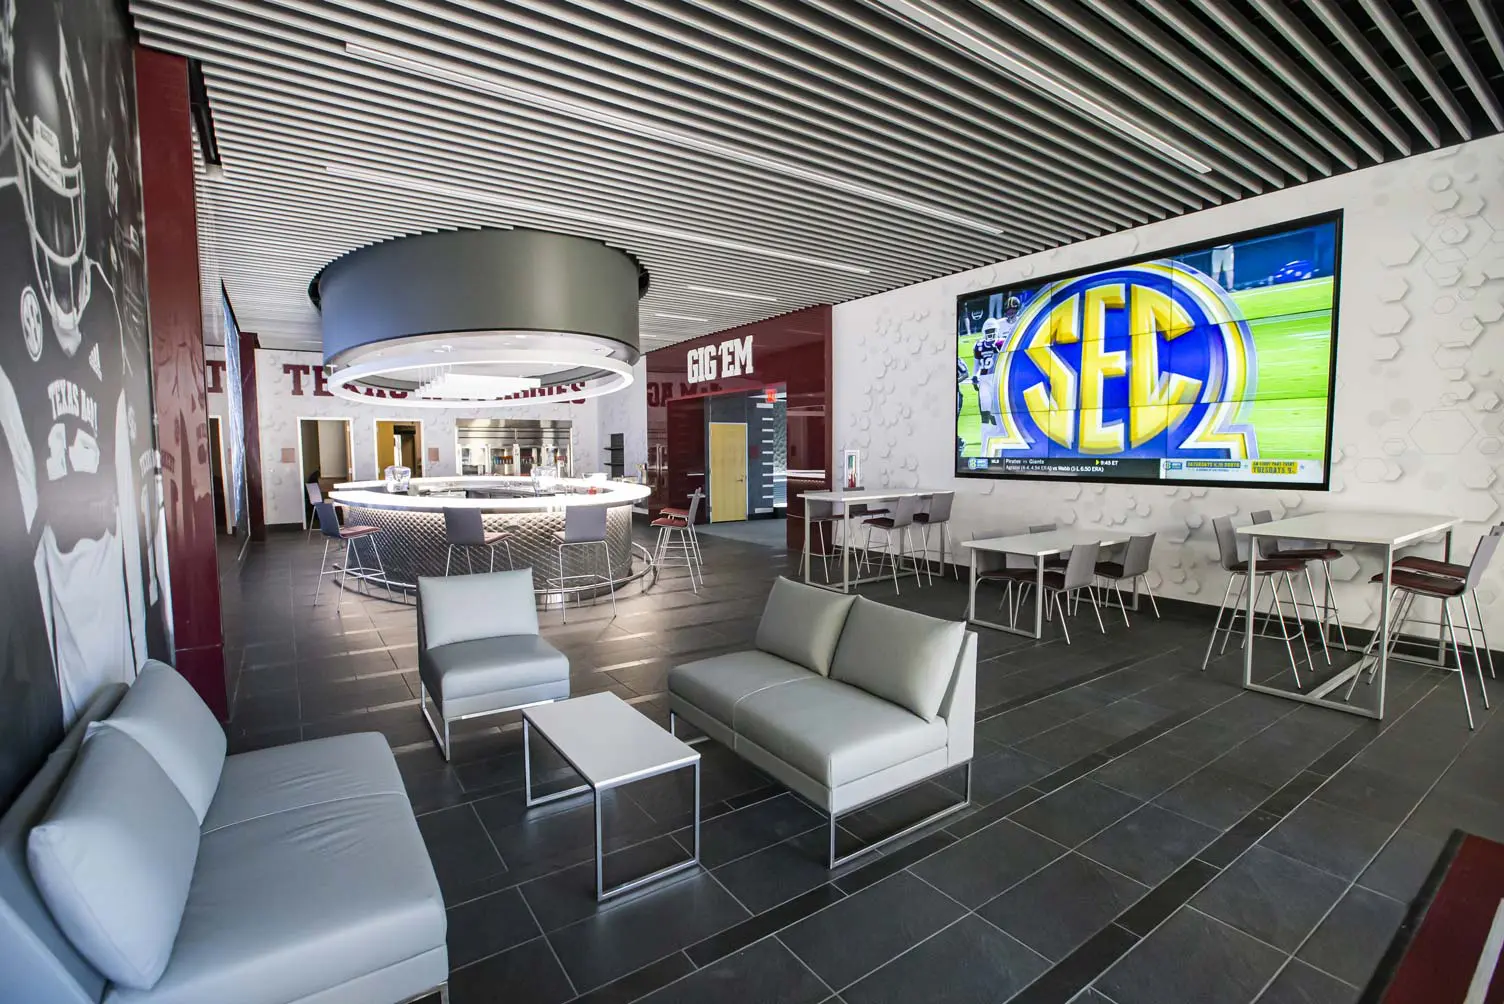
x=143 y=866
x=479 y=652
x=844 y=700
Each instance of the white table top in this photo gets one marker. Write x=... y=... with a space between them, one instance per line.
x=607 y=740
x=1048 y=542
x=870 y=494
x=1395 y=529
x=567 y=492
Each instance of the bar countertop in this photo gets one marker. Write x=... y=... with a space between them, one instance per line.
x=490 y=494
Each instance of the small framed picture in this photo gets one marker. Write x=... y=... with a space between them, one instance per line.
x=851 y=470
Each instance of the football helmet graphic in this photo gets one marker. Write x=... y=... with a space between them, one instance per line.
x=41 y=107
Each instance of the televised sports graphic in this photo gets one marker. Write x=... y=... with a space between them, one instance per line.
x=1210 y=364
x=81 y=532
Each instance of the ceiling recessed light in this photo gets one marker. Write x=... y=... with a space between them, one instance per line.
x=683 y=317
x=732 y=293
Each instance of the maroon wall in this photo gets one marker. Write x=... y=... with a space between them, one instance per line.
x=251 y=420
x=793 y=350
x=177 y=349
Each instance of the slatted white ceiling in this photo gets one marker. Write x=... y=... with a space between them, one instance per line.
x=763 y=155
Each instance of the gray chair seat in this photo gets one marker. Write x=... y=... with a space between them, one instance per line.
x=715 y=685
x=289 y=777
x=336 y=900
x=835 y=733
x=486 y=666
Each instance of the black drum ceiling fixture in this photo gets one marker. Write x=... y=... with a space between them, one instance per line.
x=480 y=319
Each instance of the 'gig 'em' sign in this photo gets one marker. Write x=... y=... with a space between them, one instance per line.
x=728 y=359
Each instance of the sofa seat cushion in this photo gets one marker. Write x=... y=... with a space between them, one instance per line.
x=715 y=685
x=835 y=733
x=302 y=774
x=486 y=666
x=289 y=904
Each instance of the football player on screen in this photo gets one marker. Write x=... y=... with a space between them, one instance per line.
x=961 y=374
x=68 y=426
x=1222 y=265
x=996 y=331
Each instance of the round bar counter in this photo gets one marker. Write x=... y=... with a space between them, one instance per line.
x=412 y=540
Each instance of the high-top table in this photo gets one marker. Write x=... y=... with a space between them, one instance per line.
x=1388 y=531
x=1038 y=546
x=845 y=500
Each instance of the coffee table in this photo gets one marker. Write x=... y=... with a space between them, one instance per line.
x=609 y=744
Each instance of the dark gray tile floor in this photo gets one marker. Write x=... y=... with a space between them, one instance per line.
x=1141 y=832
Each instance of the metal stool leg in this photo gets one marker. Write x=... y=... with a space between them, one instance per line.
x=1473 y=644
x=1217 y=624
x=381 y=567
x=1319 y=615
x=323 y=564
x=1446 y=617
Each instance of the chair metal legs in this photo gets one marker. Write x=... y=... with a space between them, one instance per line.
x=1287 y=635
x=950 y=810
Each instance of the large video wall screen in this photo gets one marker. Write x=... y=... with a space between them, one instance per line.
x=1208 y=364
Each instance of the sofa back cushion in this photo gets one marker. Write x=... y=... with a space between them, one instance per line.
x=114 y=857
x=471 y=607
x=802 y=624
x=898 y=655
x=166 y=716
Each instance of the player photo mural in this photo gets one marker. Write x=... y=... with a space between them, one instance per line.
x=81 y=534
x=1177 y=368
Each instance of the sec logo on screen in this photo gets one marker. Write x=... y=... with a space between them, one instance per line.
x=1150 y=360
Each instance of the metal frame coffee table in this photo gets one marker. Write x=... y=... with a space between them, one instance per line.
x=609 y=744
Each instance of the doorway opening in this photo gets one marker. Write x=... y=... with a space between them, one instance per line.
x=323 y=456
x=735 y=446
x=399 y=444
x=223 y=521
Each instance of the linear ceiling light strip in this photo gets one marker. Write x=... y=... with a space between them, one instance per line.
x=246 y=120
x=633 y=226
x=1064 y=129
x=1164 y=98
x=260 y=103
x=912 y=139
x=1192 y=80
x=782 y=133
x=181 y=38
x=865 y=95
x=947 y=25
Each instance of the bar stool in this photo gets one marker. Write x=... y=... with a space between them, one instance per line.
x=821 y=516
x=1268 y=569
x=1433 y=566
x=584 y=526
x=936 y=513
x=685 y=548
x=897 y=528
x=1406 y=585
x=467 y=528
x=348 y=535
x=1133 y=568
x=315 y=496
x=1324 y=555
x=688 y=516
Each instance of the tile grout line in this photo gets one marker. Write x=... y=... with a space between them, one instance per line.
x=1369 y=863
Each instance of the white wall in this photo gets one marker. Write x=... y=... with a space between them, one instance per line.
x=1420 y=375
x=280 y=410
x=626 y=412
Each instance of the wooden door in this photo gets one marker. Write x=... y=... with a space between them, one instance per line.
x=728 y=472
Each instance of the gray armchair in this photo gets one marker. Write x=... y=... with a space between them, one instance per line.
x=479 y=652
